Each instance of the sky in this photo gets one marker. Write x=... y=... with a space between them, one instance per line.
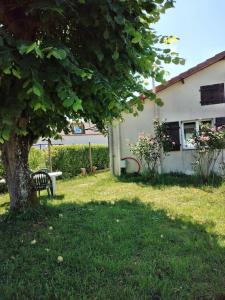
x=200 y=25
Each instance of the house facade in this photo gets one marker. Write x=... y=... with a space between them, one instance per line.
x=80 y=134
x=191 y=98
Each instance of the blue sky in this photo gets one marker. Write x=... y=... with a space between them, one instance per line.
x=200 y=25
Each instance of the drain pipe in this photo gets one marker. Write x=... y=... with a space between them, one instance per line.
x=111 y=148
x=157 y=117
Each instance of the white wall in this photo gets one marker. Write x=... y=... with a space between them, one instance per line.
x=79 y=139
x=181 y=103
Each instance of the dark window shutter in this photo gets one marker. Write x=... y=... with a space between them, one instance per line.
x=220 y=121
x=173 y=130
x=212 y=94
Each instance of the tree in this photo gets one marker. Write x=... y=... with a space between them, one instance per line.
x=66 y=59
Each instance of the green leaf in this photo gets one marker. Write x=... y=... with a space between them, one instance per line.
x=39 y=52
x=137 y=38
x=26 y=83
x=167 y=59
x=37 y=89
x=16 y=73
x=7 y=70
x=39 y=105
x=176 y=60
x=29 y=91
x=159 y=102
x=5 y=134
x=77 y=105
x=31 y=48
x=115 y=55
x=57 y=53
x=68 y=102
x=171 y=39
x=168 y=4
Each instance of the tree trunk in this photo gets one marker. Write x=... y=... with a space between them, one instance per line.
x=15 y=161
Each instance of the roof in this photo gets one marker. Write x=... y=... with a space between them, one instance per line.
x=199 y=67
x=91 y=128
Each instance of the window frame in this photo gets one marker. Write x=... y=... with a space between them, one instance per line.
x=197 y=127
x=207 y=90
x=172 y=127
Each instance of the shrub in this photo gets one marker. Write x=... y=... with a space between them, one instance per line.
x=70 y=159
x=37 y=159
x=209 y=144
x=149 y=149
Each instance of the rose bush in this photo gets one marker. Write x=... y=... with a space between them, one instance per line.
x=209 y=143
x=149 y=149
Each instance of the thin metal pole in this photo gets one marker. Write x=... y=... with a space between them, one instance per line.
x=90 y=158
x=49 y=155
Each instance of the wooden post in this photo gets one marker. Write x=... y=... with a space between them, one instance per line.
x=90 y=158
x=49 y=155
x=83 y=171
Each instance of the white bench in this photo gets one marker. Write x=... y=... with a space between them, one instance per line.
x=53 y=176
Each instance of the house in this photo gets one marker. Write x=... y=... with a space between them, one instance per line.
x=80 y=133
x=194 y=96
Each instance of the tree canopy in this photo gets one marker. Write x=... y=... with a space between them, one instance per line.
x=67 y=59
x=63 y=59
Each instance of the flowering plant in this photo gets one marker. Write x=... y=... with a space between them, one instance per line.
x=209 y=143
x=149 y=149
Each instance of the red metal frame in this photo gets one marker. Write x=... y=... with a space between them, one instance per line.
x=134 y=159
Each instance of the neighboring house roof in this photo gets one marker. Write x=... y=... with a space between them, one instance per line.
x=199 y=67
x=85 y=128
x=91 y=128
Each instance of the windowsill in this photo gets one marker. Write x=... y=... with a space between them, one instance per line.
x=188 y=148
x=207 y=104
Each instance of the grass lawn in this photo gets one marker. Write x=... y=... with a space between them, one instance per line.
x=119 y=239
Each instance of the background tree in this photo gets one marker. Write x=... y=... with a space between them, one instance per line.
x=66 y=59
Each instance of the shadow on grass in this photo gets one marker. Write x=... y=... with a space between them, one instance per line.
x=117 y=250
x=55 y=197
x=172 y=179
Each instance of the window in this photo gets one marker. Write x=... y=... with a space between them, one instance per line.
x=173 y=130
x=220 y=121
x=188 y=130
x=212 y=94
x=77 y=128
x=205 y=123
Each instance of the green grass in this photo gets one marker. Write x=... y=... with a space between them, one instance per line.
x=119 y=239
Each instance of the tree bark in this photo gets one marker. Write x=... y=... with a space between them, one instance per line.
x=15 y=161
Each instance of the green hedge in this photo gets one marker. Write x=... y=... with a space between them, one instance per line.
x=37 y=159
x=70 y=159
